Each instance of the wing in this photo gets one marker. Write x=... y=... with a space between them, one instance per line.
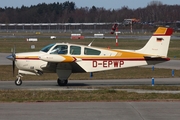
x=61 y=62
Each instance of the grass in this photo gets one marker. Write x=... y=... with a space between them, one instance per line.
x=106 y=95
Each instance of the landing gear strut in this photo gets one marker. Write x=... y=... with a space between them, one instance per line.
x=62 y=82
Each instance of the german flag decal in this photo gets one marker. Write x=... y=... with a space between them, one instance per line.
x=159 y=39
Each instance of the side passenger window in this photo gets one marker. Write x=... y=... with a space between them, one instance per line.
x=75 y=50
x=89 y=51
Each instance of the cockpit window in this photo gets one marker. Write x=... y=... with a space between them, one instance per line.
x=60 y=49
x=47 y=48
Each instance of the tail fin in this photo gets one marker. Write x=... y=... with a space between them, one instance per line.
x=158 y=44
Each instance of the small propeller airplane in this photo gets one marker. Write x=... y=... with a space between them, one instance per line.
x=64 y=58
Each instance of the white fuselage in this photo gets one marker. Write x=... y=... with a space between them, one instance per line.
x=29 y=61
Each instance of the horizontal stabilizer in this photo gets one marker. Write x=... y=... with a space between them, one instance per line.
x=156 y=58
x=152 y=56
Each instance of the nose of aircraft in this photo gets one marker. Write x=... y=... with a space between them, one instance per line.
x=10 y=57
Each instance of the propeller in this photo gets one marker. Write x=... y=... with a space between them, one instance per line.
x=13 y=60
x=12 y=57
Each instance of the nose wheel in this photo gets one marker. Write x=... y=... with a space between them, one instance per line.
x=18 y=81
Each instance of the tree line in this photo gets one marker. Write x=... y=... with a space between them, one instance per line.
x=67 y=12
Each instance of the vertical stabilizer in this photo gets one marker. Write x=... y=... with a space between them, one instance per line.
x=158 y=44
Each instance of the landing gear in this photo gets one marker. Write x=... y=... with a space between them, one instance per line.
x=63 y=71
x=62 y=82
x=18 y=81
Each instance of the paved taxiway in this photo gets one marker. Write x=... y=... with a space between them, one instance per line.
x=87 y=84
x=3 y=60
x=91 y=111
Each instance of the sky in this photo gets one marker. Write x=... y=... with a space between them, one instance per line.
x=107 y=4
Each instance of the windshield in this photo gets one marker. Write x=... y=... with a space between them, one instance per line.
x=60 y=49
x=47 y=48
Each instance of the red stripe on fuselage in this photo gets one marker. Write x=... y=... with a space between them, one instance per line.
x=27 y=59
x=127 y=59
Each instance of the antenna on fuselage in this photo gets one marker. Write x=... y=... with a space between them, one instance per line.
x=91 y=43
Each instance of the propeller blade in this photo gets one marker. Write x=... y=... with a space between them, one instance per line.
x=13 y=67
x=14 y=58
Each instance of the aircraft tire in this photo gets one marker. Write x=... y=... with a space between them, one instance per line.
x=62 y=82
x=18 y=83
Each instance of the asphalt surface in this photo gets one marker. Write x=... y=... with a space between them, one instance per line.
x=172 y=64
x=3 y=60
x=91 y=84
x=91 y=111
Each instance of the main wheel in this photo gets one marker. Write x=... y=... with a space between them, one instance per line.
x=18 y=82
x=62 y=82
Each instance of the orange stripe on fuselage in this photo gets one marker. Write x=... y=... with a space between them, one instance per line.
x=121 y=55
x=69 y=59
x=125 y=54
